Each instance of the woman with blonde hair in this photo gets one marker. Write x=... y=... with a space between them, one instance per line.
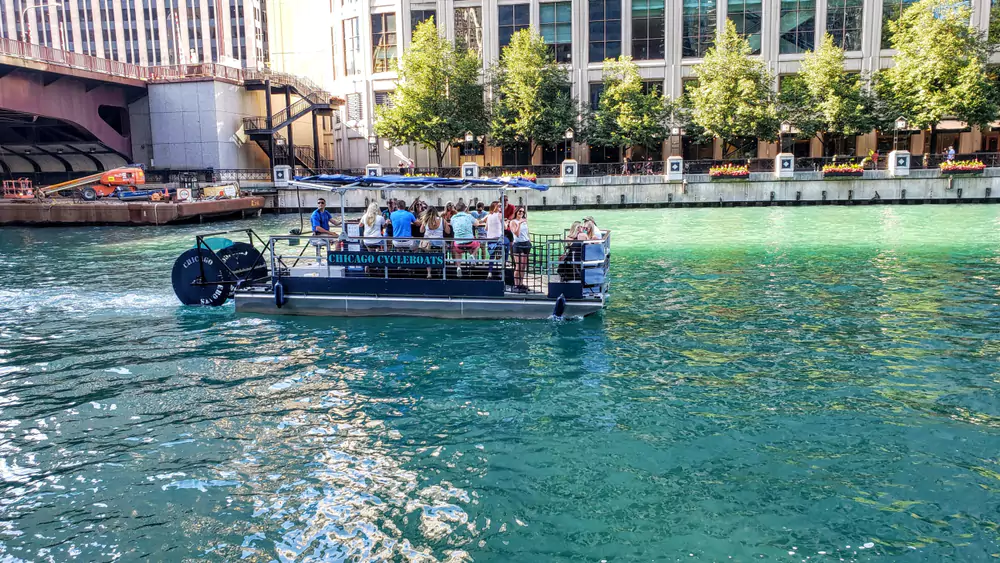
x=371 y=226
x=432 y=226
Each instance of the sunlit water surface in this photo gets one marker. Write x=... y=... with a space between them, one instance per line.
x=767 y=384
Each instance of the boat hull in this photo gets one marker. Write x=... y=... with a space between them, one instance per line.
x=508 y=307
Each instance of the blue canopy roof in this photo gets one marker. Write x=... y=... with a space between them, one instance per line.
x=421 y=182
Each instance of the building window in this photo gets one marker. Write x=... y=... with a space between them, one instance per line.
x=354 y=107
x=698 y=33
x=352 y=46
x=798 y=26
x=648 y=29
x=556 y=23
x=596 y=89
x=420 y=16
x=513 y=18
x=747 y=15
x=891 y=10
x=469 y=29
x=843 y=21
x=383 y=99
x=383 y=41
x=605 y=30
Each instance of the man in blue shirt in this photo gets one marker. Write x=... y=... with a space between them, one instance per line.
x=402 y=223
x=321 y=219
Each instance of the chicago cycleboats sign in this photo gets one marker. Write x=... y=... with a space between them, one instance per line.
x=386 y=259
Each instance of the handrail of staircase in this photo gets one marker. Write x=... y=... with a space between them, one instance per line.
x=284 y=114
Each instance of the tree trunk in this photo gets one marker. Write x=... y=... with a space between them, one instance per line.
x=439 y=153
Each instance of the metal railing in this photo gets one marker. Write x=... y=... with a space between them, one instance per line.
x=282 y=116
x=485 y=263
x=32 y=51
x=585 y=261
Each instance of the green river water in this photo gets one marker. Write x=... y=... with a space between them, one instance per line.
x=767 y=384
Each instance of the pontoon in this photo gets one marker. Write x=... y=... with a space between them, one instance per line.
x=299 y=274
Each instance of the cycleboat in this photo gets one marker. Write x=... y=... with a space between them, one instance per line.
x=352 y=275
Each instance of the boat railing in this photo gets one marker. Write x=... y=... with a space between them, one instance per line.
x=248 y=269
x=389 y=257
x=584 y=262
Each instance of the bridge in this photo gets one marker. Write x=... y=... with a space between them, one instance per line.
x=64 y=114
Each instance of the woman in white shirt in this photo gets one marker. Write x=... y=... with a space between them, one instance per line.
x=521 y=247
x=371 y=228
x=494 y=233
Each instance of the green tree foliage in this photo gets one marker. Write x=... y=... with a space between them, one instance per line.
x=733 y=98
x=940 y=67
x=626 y=115
x=532 y=95
x=824 y=100
x=438 y=96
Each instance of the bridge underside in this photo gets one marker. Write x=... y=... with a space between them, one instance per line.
x=53 y=125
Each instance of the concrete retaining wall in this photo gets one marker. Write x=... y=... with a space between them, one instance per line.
x=654 y=191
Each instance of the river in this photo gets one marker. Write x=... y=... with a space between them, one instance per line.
x=814 y=383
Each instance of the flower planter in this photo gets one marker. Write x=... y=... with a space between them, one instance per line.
x=962 y=172
x=843 y=174
x=725 y=178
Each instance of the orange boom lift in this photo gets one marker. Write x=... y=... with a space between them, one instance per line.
x=98 y=185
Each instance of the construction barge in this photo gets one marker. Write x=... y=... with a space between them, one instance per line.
x=121 y=197
x=54 y=212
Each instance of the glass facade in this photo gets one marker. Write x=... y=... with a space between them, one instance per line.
x=605 y=30
x=648 y=29
x=469 y=29
x=352 y=46
x=556 y=26
x=420 y=16
x=843 y=22
x=512 y=18
x=797 y=26
x=698 y=33
x=383 y=41
x=891 y=10
x=747 y=16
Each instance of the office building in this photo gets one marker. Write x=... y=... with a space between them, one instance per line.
x=666 y=38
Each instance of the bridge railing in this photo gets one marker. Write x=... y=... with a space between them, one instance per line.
x=32 y=51
x=173 y=73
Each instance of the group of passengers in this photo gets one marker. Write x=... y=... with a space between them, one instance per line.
x=463 y=232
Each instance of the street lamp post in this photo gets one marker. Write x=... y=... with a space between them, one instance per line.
x=469 y=137
x=900 y=124
x=786 y=128
x=569 y=144
x=675 y=140
x=373 y=148
x=27 y=27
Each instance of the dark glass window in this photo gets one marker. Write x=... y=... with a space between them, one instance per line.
x=843 y=22
x=513 y=18
x=648 y=29
x=517 y=155
x=556 y=24
x=699 y=27
x=797 y=26
x=420 y=16
x=383 y=41
x=596 y=89
x=605 y=30
x=747 y=15
x=469 y=29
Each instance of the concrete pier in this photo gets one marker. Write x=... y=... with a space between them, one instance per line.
x=55 y=212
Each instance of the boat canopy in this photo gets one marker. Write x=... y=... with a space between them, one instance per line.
x=344 y=181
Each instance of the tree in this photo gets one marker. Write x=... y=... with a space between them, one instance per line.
x=940 y=67
x=824 y=100
x=627 y=115
x=533 y=103
x=733 y=98
x=438 y=97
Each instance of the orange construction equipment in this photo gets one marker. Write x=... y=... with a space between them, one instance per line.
x=18 y=189
x=98 y=185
